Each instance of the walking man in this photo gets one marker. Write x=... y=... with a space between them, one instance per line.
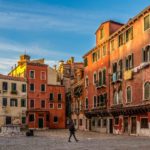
x=72 y=131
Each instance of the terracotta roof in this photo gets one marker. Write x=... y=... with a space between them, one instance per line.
x=6 y=77
x=111 y=21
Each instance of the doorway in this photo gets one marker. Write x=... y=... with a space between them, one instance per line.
x=111 y=126
x=125 y=124
x=133 y=125
x=40 y=123
x=90 y=124
x=8 y=120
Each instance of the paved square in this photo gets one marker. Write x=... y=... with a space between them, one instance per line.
x=58 y=140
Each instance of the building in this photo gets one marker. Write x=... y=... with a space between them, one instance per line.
x=117 y=80
x=66 y=71
x=130 y=72
x=13 y=101
x=77 y=103
x=96 y=74
x=46 y=97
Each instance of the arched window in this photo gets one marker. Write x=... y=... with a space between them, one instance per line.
x=120 y=96
x=100 y=78
x=147 y=90
x=129 y=94
x=146 y=54
x=86 y=103
x=115 y=97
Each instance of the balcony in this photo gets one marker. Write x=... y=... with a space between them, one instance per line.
x=116 y=77
x=14 y=92
x=100 y=85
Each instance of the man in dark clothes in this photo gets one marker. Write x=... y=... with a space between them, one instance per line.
x=72 y=131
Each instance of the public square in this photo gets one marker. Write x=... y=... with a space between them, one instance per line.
x=58 y=140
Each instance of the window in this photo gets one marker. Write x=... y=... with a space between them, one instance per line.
x=146 y=54
x=43 y=87
x=98 y=101
x=51 y=97
x=13 y=102
x=104 y=123
x=31 y=117
x=59 y=106
x=86 y=103
x=23 y=88
x=13 y=88
x=94 y=78
x=31 y=103
x=85 y=62
x=95 y=102
x=59 y=98
x=115 y=97
x=120 y=68
x=129 y=62
x=43 y=75
x=23 y=120
x=4 y=102
x=51 y=105
x=146 y=22
x=55 y=119
x=129 y=96
x=147 y=91
x=103 y=99
x=5 y=86
x=32 y=74
x=121 y=39
x=43 y=104
x=104 y=50
x=144 y=123
x=23 y=103
x=101 y=33
x=80 y=122
x=112 y=45
x=116 y=121
x=100 y=78
x=94 y=57
x=86 y=82
x=114 y=67
x=32 y=87
x=98 y=54
x=129 y=34
x=104 y=76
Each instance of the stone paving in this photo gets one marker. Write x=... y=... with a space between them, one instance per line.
x=58 y=140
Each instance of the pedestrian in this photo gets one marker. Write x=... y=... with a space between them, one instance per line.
x=72 y=131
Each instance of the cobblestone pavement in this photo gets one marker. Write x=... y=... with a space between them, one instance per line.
x=58 y=140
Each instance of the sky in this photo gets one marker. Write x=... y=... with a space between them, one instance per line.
x=56 y=29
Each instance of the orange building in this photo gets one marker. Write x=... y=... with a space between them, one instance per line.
x=45 y=95
x=117 y=80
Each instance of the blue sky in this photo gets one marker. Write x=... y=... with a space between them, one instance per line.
x=56 y=29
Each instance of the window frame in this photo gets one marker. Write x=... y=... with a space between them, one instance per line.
x=33 y=74
x=144 y=91
x=127 y=95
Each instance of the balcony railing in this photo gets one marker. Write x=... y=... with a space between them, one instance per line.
x=117 y=76
x=14 y=92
